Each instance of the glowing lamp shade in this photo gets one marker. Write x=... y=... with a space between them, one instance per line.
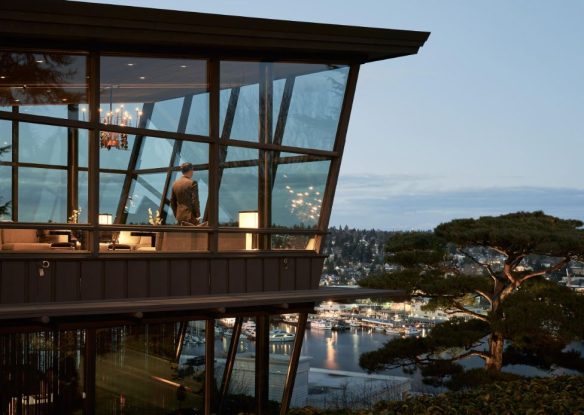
x=105 y=219
x=249 y=219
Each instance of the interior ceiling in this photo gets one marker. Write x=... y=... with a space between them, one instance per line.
x=129 y=79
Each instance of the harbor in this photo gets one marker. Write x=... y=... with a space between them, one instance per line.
x=337 y=335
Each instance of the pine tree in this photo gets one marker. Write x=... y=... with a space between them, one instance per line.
x=529 y=318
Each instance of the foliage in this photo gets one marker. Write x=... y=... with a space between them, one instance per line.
x=244 y=404
x=503 y=261
x=559 y=395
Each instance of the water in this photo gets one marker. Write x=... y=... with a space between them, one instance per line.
x=328 y=349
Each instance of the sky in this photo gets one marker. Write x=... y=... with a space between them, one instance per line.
x=488 y=118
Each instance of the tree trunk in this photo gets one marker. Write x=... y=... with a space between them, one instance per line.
x=494 y=362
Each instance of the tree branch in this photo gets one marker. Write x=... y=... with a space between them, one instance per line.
x=507 y=272
x=556 y=267
x=476 y=261
x=463 y=309
x=485 y=296
x=482 y=355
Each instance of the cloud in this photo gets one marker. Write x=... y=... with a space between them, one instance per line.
x=408 y=202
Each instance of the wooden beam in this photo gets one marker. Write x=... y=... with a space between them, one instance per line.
x=176 y=149
x=262 y=364
x=229 y=362
x=293 y=366
x=147 y=110
x=209 y=365
x=335 y=167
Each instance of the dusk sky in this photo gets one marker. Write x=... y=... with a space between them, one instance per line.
x=487 y=119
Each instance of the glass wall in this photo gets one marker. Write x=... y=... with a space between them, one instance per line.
x=42 y=373
x=138 y=372
x=273 y=149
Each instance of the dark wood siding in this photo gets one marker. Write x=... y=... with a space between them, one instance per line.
x=108 y=279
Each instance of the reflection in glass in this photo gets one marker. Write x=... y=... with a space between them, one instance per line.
x=239 y=86
x=156 y=93
x=82 y=196
x=5 y=140
x=154 y=153
x=294 y=241
x=5 y=170
x=238 y=189
x=48 y=81
x=110 y=192
x=145 y=194
x=137 y=372
x=42 y=195
x=306 y=102
x=42 y=372
x=298 y=190
x=5 y=192
x=315 y=108
x=42 y=144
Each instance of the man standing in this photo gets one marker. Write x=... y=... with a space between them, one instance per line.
x=184 y=200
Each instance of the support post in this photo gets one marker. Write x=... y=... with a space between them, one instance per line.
x=230 y=362
x=266 y=78
x=209 y=364
x=72 y=162
x=293 y=367
x=182 y=330
x=15 y=159
x=89 y=371
x=262 y=364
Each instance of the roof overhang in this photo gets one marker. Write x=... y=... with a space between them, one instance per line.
x=67 y=24
x=116 y=312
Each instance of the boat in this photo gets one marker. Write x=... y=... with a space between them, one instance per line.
x=290 y=318
x=378 y=329
x=341 y=325
x=321 y=324
x=412 y=331
x=282 y=337
x=354 y=323
x=248 y=325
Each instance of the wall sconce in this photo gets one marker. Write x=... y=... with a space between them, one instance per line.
x=249 y=219
x=105 y=219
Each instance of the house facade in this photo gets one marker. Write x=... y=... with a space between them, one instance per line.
x=100 y=106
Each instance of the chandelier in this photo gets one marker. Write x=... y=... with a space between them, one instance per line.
x=119 y=118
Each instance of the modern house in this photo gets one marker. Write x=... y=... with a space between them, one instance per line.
x=99 y=107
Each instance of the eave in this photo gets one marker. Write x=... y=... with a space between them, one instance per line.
x=121 y=28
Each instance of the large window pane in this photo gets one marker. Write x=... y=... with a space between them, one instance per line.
x=239 y=86
x=306 y=102
x=155 y=153
x=110 y=191
x=5 y=140
x=145 y=194
x=5 y=192
x=155 y=93
x=137 y=372
x=315 y=107
x=298 y=190
x=42 y=144
x=42 y=195
x=238 y=191
x=116 y=159
x=43 y=83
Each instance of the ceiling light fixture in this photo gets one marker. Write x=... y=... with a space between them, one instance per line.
x=119 y=118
